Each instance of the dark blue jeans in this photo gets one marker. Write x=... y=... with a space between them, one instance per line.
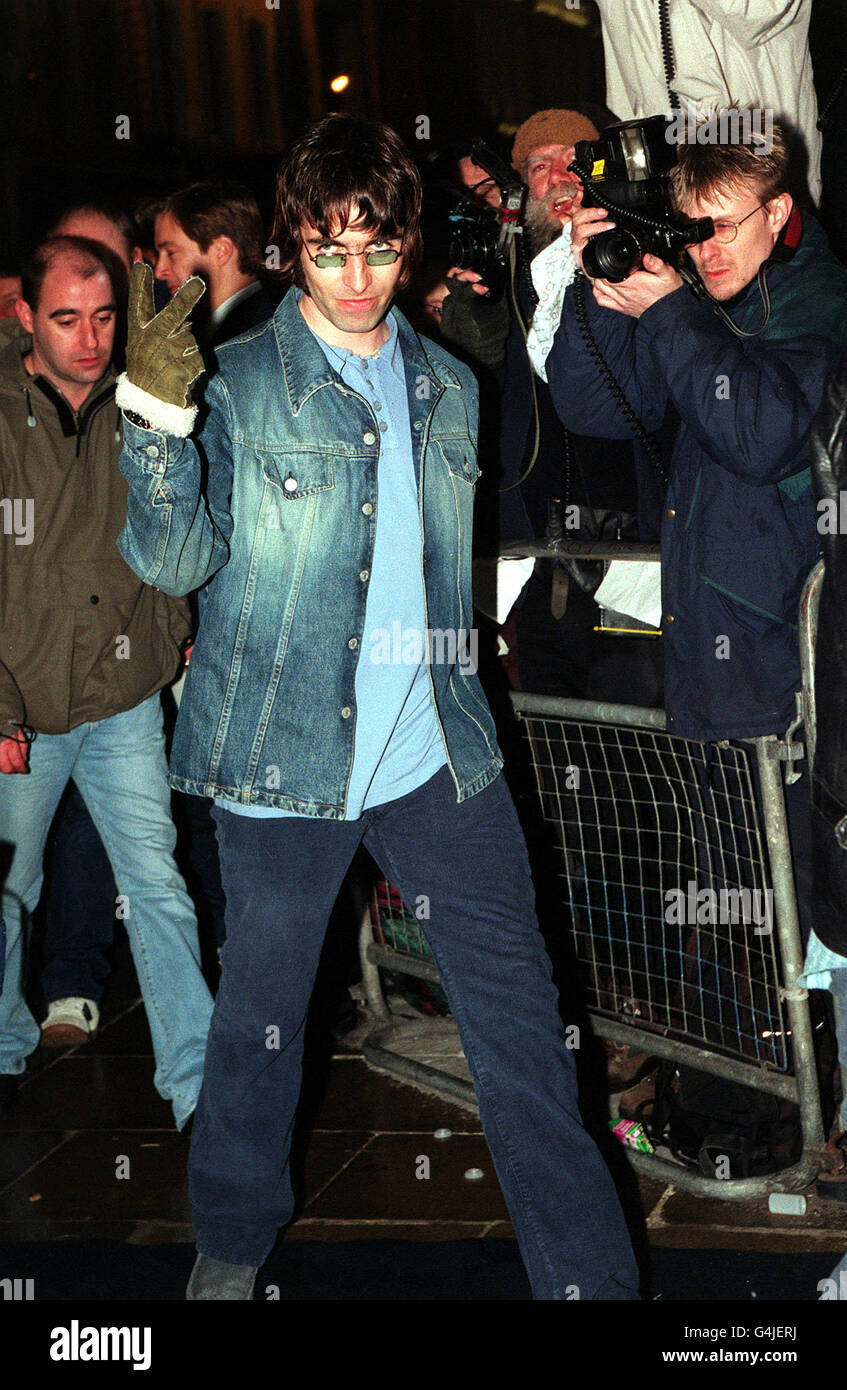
x=281 y=878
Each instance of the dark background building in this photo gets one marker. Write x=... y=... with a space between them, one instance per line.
x=134 y=97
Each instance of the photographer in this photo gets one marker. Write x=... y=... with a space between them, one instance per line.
x=739 y=532
x=540 y=458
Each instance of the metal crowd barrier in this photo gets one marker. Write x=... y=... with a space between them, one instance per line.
x=639 y=822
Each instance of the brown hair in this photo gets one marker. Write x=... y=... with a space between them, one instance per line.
x=87 y=258
x=709 y=169
x=343 y=162
x=208 y=210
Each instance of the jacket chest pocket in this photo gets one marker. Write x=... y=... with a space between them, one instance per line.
x=297 y=475
x=460 y=458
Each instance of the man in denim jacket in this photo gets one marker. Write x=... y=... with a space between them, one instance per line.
x=332 y=700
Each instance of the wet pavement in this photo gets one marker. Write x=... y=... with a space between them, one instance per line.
x=89 y=1151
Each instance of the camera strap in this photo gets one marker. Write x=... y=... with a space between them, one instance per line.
x=692 y=279
x=513 y=273
x=647 y=441
x=667 y=53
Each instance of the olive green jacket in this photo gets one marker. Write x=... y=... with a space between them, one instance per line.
x=81 y=637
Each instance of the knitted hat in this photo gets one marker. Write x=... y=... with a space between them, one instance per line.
x=550 y=127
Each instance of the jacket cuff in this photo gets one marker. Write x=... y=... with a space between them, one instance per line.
x=168 y=419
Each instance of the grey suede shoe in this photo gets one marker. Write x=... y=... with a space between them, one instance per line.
x=214 y=1279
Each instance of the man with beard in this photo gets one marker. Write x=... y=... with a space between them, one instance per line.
x=544 y=468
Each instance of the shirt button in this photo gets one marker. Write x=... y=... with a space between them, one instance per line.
x=151 y=451
x=367 y=509
x=671 y=511
x=364 y=575
x=353 y=643
x=290 y=484
x=369 y=438
x=383 y=426
x=346 y=712
x=377 y=405
x=95 y=598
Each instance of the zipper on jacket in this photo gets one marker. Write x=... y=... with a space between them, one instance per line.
x=745 y=603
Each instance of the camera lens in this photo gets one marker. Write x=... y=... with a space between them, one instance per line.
x=462 y=248
x=612 y=255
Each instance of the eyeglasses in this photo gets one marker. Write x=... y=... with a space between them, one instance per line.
x=725 y=232
x=336 y=260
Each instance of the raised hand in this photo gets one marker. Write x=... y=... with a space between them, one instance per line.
x=162 y=356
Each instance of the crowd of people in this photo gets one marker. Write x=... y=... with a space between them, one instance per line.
x=224 y=476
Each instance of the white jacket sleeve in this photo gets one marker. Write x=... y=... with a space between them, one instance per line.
x=752 y=22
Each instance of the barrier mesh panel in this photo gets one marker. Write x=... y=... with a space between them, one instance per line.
x=394 y=925
x=660 y=865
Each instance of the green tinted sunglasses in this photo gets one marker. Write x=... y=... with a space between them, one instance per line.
x=336 y=260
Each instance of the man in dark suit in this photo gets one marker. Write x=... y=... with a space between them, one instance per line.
x=215 y=230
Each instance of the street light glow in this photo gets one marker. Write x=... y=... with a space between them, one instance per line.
x=339 y=84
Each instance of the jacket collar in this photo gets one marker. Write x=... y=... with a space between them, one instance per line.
x=306 y=369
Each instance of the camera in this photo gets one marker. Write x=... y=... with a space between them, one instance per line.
x=627 y=172
x=480 y=237
x=475 y=244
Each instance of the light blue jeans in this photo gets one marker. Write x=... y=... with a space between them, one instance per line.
x=120 y=769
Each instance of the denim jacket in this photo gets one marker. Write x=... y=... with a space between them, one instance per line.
x=270 y=512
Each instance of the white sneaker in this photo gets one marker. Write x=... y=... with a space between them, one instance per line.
x=70 y=1022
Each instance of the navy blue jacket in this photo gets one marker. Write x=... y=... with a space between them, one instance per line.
x=739 y=533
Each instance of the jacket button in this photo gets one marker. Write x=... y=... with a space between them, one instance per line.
x=290 y=484
x=353 y=643
x=369 y=438
x=346 y=712
x=841 y=832
x=367 y=509
x=95 y=598
x=151 y=451
x=418 y=424
x=364 y=575
x=671 y=511
x=669 y=617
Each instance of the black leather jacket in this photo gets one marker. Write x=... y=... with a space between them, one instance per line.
x=829 y=782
